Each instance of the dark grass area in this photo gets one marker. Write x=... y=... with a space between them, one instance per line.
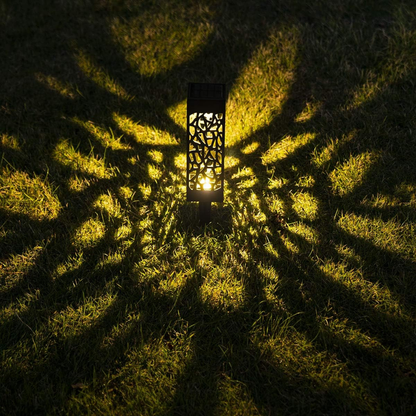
x=298 y=298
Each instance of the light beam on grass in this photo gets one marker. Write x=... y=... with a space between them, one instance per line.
x=231 y=162
x=73 y=321
x=155 y=155
x=275 y=204
x=258 y=215
x=262 y=87
x=373 y=293
x=392 y=235
x=290 y=244
x=180 y=162
x=89 y=234
x=222 y=290
x=98 y=75
x=245 y=178
x=398 y=61
x=102 y=135
x=25 y=195
x=305 y=205
x=321 y=157
x=250 y=148
x=352 y=173
x=14 y=268
x=71 y=264
x=404 y=195
x=53 y=83
x=308 y=112
x=154 y=172
x=172 y=284
x=305 y=232
x=270 y=248
x=78 y=184
x=145 y=190
x=66 y=155
x=143 y=134
x=109 y=204
x=277 y=183
x=296 y=356
x=271 y=282
x=154 y=43
x=9 y=142
x=177 y=113
x=234 y=396
x=285 y=147
x=155 y=370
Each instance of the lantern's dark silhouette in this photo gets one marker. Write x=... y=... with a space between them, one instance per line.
x=205 y=153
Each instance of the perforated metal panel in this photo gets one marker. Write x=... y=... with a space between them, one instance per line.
x=205 y=154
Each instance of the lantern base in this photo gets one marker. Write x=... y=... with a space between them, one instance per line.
x=205 y=212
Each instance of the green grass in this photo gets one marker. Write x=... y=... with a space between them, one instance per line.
x=300 y=296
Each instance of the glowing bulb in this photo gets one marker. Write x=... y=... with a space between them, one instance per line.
x=206 y=186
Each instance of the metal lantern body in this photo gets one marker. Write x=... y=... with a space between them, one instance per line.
x=205 y=154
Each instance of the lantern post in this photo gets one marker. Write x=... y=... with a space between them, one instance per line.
x=205 y=141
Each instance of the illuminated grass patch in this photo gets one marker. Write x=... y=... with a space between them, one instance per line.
x=180 y=162
x=406 y=192
x=13 y=270
x=285 y=147
x=372 y=292
x=221 y=290
x=390 y=235
x=275 y=204
x=89 y=234
x=77 y=183
x=156 y=155
x=97 y=74
x=9 y=142
x=157 y=42
x=55 y=84
x=351 y=174
x=298 y=364
x=304 y=232
x=305 y=205
x=24 y=195
x=308 y=112
x=154 y=172
x=245 y=178
x=268 y=76
x=103 y=136
x=67 y=155
x=322 y=157
x=231 y=162
x=109 y=204
x=172 y=284
x=250 y=148
x=143 y=134
x=234 y=397
x=272 y=286
x=297 y=298
x=178 y=113
x=73 y=321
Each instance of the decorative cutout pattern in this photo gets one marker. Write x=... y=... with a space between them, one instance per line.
x=205 y=151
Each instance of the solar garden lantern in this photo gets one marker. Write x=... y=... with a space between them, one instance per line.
x=205 y=153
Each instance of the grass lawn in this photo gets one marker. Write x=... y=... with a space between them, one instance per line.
x=299 y=298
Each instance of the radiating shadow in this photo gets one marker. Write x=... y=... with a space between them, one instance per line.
x=73 y=45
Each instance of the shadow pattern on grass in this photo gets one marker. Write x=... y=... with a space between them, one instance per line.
x=121 y=306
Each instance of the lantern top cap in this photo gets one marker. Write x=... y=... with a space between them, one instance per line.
x=200 y=91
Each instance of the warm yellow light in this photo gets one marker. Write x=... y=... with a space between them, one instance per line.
x=206 y=185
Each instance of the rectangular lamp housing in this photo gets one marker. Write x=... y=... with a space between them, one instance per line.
x=205 y=143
